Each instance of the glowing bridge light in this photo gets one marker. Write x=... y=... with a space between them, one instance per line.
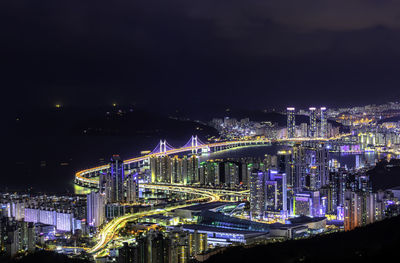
x=194 y=144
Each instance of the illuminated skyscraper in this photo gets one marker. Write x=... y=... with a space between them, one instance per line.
x=302 y=204
x=176 y=170
x=154 y=168
x=324 y=127
x=276 y=192
x=291 y=122
x=209 y=173
x=95 y=209
x=271 y=195
x=304 y=130
x=203 y=173
x=282 y=196
x=307 y=204
x=132 y=188
x=231 y=174
x=322 y=164
x=286 y=166
x=258 y=181
x=300 y=163
x=352 y=210
x=313 y=122
x=117 y=179
x=165 y=176
x=361 y=208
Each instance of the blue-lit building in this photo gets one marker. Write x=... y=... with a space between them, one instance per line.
x=313 y=122
x=217 y=219
x=115 y=180
x=95 y=209
x=324 y=123
x=257 y=193
x=307 y=204
x=218 y=236
x=291 y=122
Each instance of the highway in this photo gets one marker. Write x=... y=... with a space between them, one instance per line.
x=108 y=232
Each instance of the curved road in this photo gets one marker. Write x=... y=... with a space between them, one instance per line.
x=107 y=234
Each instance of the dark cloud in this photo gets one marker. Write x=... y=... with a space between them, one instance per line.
x=250 y=53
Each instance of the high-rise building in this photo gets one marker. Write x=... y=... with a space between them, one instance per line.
x=127 y=254
x=153 y=248
x=190 y=167
x=258 y=180
x=165 y=170
x=291 y=122
x=271 y=195
x=246 y=172
x=302 y=204
x=95 y=209
x=352 y=210
x=322 y=165
x=313 y=122
x=285 y=165
x=299 y=157
x=324 y=127
x=304 y=130
x=116 y=180
x=307 y=204
x=64 y=221
x=311 y=167
x=176 y=170
x=281 y=190
x=361 y=208
x=197 y=243
x=209 y=173
x=132 y=188
x=231 y=174
x=212 y=173
x=154 y=168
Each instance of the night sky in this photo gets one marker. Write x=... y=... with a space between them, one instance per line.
x=167 y=53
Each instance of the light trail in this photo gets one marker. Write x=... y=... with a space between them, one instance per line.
x=107 y=234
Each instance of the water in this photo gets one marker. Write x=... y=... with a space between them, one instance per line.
x=344 y=159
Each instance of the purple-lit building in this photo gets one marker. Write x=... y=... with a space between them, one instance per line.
x=307 y=204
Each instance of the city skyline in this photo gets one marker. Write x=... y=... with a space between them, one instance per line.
x=200 y=131
x=255 y=182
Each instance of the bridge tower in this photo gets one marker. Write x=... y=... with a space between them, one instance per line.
x=195 y=144
x=163 y=147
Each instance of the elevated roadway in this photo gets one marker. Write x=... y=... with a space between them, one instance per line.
x=84 y=177
x=109 y=232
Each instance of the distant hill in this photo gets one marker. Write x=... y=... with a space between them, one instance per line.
x=377 y=242
x=274 y=117
x=44 y=148
x=112 y=121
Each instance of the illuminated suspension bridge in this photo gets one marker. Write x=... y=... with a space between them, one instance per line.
x=88 y=177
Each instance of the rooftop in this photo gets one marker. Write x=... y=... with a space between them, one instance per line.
x=206 y=206
x=220 y=230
